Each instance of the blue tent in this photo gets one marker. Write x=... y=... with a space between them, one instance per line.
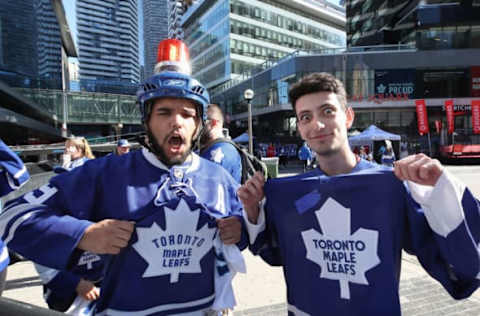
x=243 y=138
x=371 y=134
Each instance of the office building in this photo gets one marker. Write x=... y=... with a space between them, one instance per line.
x=155 y=29
x=430 y=24
x=18 y=33
x=107 y=40
x=231 y=38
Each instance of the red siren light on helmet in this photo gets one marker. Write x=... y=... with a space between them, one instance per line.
x=172 y=55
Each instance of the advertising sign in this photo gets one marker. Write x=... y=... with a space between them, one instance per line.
x=422 y=118
x=395 y=82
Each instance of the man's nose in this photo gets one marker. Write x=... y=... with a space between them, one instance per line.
x=319 y=124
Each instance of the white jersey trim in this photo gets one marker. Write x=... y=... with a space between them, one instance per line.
x=3 y=254
x=293 y=309
x=255 y=229
x=442 y=203
x=6 y=217
x=160 y=308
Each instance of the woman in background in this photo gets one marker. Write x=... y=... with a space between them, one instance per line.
x=77 y=151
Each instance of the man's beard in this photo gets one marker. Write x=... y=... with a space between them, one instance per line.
x=160 y=153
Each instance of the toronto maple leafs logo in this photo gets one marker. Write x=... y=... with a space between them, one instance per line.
x=341 y=256
x=177 y=249
x=217 y=155
x=381 y=88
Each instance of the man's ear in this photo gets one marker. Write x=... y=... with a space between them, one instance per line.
x=350 y=116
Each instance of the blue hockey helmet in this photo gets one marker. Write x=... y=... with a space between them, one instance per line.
x=169 y=84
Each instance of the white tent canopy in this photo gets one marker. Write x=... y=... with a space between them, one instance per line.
x=371 y=134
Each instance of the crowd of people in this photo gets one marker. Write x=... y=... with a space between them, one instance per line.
x=161 y=230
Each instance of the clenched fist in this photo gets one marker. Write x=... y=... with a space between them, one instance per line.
x=106 y=237
x=420 y=169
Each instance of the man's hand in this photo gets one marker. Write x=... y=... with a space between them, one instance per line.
x=250 y=194
x=87 y=290
x=230 y=229
x=420 y=169
x=106 y=237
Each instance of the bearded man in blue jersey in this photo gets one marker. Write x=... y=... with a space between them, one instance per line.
x=155 y=215
x=339 y=230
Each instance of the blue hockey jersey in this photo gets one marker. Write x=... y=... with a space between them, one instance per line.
x=340 y=238
x=169 y=266
x=227 y=156
x=13 y=175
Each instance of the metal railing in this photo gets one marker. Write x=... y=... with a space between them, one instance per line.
x=86 y=107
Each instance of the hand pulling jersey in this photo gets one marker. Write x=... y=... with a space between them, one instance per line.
x=169 y=266
x=340 y=239
x=13 y=175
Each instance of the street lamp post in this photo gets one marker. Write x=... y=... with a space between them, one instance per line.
x=248 y=95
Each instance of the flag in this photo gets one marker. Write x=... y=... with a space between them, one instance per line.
x=450 y=116
x=476 y=116
x=422 y=118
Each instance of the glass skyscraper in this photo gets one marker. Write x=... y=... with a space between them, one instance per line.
x=155 y=29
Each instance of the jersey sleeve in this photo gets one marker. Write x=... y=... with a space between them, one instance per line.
x=54 y=215
x=444 y=234
x=13 y=173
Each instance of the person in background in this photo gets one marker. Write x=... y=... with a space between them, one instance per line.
x=214 y=147
x=123 y=147
x=305 y=154
x=77 y=151
x=388 y=157
x=339 y=230
x=271 y=150
x=362 y=153
x=13 y=174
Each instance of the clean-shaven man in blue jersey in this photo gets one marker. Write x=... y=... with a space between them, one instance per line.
x=215 y=149
x=13 y=174
x=339 y=230
x=152 y=214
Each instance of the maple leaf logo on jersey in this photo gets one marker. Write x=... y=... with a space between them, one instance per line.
x=88 y=258
x=217 y=155
x=177 y=249
x=341 y=256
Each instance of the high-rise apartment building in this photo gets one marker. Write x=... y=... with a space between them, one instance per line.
x=155 y=29
x=107 y=40
x=229 y=38
x=48 y=41
x=176 y=9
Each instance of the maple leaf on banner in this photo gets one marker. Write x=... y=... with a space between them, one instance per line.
x=341 y=256
x=177 y=249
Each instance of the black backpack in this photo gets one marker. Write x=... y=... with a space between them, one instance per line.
x=250 y=163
